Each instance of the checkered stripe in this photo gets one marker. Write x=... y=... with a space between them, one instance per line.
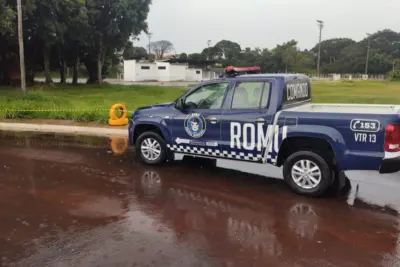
x=216 y=153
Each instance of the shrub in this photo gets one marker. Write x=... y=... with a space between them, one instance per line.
x=394 y=75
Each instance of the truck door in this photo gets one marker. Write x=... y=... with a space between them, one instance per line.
x=196 y=127
x=246 y=120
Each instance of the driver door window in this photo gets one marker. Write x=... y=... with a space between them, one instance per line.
x=209 y=96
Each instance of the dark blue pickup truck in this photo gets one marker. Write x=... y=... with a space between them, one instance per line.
x=269 y=119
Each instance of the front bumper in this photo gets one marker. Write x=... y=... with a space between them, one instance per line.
x=390 y=165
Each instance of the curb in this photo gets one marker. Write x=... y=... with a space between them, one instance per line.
x=63 y=129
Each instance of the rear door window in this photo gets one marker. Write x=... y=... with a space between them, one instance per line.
x=250 y=95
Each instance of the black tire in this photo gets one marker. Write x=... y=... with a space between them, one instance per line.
x=139 y=153
x=327 y=174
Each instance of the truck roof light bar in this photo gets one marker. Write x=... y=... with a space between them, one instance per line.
x=232 y=71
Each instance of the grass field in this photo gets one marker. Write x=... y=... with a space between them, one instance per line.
x=86 y=98
x=97 y=100
x=371 y=92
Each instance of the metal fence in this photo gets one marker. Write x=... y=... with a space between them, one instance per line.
x=348 y=76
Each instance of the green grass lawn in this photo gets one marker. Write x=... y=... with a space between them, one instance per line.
x=370 y=92
x=13 y=105
x=89 y=97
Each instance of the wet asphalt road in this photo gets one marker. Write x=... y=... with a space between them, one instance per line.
x=72 y=201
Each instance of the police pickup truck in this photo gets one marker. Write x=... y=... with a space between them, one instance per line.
x=269 y=119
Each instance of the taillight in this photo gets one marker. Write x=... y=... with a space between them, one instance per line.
x=392 y=138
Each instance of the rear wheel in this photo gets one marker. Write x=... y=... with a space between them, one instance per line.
x=151 y=149
x=307 y=173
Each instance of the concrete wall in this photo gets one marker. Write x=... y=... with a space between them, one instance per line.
x=130 y=70
x=163 y=71
x=209 y=75
x=177 y=72
x=194 y=75
x=146 y=72
x=336 y=77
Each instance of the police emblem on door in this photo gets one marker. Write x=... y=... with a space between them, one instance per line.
x=195 y=125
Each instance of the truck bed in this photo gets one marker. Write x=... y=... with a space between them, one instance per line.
x=347 y=108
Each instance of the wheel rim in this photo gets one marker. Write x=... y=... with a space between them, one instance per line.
x=151 y=149
x=306 y=174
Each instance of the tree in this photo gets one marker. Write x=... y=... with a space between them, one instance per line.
x=135 y=53
x=75 y=40
x=183 y=56
x=197 y=56
x=286 y=55
x=227 y=49
x=305 y=62
x=132 y=52
x=160 y=48
x=331 y=49
x=111 y=25
x=380 y=63
x=211 y=53
x=7 y=34
x=7 y=15
x=43 y=23
x=350 y=60
x=71 y=29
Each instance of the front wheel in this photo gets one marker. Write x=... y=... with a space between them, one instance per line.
x=151 y=149
x=307 y=173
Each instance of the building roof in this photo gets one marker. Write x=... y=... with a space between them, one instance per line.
x=190 y=61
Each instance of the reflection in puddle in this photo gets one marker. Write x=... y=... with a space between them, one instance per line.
x=250 y=234
x=119 y=145
x=262 y=232
x=258 y=238
x=151 y=183
x=303 y=221
x=99 y=207
x=116 y=145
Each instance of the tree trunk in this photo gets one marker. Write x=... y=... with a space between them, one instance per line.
x=91 y=67
x=100 y=63
x=62 y=71
x=62 y=62
x=99 y=71
x=47 y=74
x=75 y=71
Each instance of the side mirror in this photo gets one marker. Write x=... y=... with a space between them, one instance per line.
x=180 y=104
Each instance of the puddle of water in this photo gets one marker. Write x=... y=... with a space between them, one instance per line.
x=73 y=201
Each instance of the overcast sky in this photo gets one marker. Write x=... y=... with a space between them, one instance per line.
x=188 y=24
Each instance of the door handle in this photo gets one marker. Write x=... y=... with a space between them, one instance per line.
x=260 y=120
x=213 y=120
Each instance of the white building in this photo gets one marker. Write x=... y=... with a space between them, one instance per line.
x=194 y=75
x=140 y=71
x=136 y=71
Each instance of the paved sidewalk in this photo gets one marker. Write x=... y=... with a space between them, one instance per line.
x=67 y=128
